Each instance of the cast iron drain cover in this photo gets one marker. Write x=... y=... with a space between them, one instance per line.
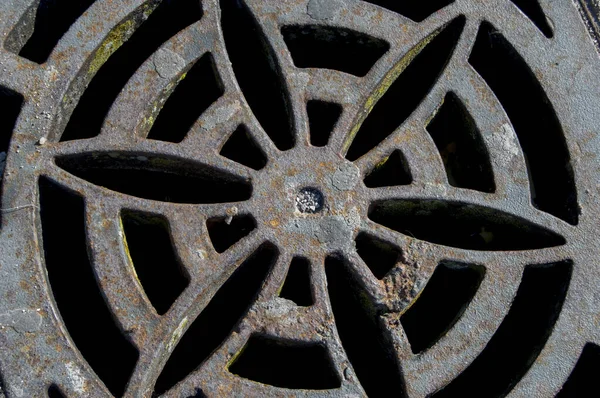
x=300 y=198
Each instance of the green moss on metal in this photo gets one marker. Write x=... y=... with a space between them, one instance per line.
x=385 y=84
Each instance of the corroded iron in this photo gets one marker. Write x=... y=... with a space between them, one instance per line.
x=299 y=199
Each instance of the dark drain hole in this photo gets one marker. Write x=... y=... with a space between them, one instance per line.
x=55 y=392
x=534 y=120
x=584 y=378
x=407 y=91
x=286 y=364
x=198 y=394
x=158 y=268
x=258 y=73
x=297 y=285
x=461 y=147
x=216 y=321
x=11 y=103
x=534 y=11
x=417 y=10
x=379 y=256
x=76 y=292
x=52 y=20
x=364 y=339
x=224 y=232
x=442 y=302
x=2 y=388
x=168 y=19
x=10 y=107
x=520 y=337
x=464 y=226
x=201 y=87
x=391 y=171
x=322 y=118
x=156 y=178
x=243 y=149
x=316 y=46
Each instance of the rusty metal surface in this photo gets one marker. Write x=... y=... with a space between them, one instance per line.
x=307 y=201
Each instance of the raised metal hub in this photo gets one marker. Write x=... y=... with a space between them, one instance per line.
x=299 y=198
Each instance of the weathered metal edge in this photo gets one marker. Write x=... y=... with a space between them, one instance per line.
x=590 y=12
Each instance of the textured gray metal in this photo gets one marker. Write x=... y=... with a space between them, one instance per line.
x=523 y=204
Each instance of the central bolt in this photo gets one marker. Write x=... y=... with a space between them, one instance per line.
x=310 y=200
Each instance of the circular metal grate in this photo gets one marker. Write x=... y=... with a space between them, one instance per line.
x=299 y=198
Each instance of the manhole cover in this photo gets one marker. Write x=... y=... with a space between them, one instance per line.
x=299 y=198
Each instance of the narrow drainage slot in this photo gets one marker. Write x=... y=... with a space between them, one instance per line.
x=537 y=127
x=461 y=147
x=201 y=87
x=461 y=225
x=54 y=392
x=584 y=378
x=52 y=20
x=441 y=304
x=380 y=256
x=156 y=178
x=11 y=103
x=169 y=18
x=147 y=239
x=286 y=363
x=258 y=73
x=10 y=107
x=407 y=91
x=225 y=232
x=417 y=10
x=243 y=149
x=390 y=172
x=2 y=386
x=78 y=298
x=219 y=317
x=533 y=10
x=297 y=285
x=367 y=345
x=318 y=46
x=322 y=118
x=520 y=337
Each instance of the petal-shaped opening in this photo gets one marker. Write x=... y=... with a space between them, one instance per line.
x=402 y=90
x=461 y=225
x=258 y=72
x=214 y=324
x=157 y=178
